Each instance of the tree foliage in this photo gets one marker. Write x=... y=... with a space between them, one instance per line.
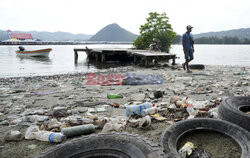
x=157 y=26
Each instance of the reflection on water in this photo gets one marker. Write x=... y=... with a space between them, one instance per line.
x=108 y=64
x=42 y=59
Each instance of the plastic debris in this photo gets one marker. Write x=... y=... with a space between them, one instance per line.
x=186 y=150
x=13 y=136
x=158 y=117
x=78 y=130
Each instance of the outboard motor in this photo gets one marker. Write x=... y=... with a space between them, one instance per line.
x=21 y=48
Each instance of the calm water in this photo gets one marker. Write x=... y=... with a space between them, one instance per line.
x=61 y=58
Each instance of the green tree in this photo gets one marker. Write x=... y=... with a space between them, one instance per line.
x=157 y=26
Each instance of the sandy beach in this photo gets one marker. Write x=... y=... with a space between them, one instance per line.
x=41 y=95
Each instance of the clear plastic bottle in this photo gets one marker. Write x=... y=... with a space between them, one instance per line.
x=78 y=130
x=36 y=118
x=137 y=109
x=47 y=136
x=149 y=111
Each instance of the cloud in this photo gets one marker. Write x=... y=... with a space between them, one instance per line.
x=78 y=16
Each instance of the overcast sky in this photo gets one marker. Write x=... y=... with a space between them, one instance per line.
x=89 y=16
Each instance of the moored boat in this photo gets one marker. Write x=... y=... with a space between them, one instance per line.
x=34 y=53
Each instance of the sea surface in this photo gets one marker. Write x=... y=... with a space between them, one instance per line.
x=61 y=58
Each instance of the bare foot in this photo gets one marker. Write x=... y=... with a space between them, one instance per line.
x=183 y=66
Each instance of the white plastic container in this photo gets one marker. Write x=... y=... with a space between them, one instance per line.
x=50 y=136
x=149 y=111
x=137 y=109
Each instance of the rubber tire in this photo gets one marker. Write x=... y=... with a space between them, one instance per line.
x=107 y=145
x=196 y=66
x=172 y=135
x=229 y=110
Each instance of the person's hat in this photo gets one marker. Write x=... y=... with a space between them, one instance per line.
x=189 y=27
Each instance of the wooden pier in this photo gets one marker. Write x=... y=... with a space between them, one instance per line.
x=146 y=56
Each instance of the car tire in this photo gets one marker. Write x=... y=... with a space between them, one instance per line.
x=234 y=109
x=171 y=136
x=108 y=145
x=196 y=66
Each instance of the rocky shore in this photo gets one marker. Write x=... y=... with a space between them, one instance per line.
x=70 y=96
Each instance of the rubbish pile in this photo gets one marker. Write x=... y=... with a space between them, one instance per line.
x=54 y=108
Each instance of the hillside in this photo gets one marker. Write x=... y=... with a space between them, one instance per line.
x=113 y=32
x=240 y=33
x=49 y=36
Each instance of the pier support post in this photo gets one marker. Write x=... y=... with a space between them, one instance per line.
x=173 y=63
x=103 y=57
x=135 y=59
x=76 y=56
x=146 y=62
x=96 y=57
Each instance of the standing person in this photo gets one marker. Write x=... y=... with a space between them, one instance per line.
x=188 y=47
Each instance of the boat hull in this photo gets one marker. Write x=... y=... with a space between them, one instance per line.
x=41 y=52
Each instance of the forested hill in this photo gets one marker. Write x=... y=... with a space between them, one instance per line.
x=240 y=33
x=49 y=36
x=113 y=33
x=237 y=36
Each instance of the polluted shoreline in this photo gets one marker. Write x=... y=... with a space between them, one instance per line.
x=101 y=101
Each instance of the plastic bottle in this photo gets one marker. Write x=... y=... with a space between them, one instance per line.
x=36 y=118
x=78 y=130
x=114 y=96
x=149 y=111
x=137 y=109
x=50 y=136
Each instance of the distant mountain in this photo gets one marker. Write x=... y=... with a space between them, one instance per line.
x=240 y=33
x=49 y=36
x=115 y=33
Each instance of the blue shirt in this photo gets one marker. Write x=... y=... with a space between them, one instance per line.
x=186 y=41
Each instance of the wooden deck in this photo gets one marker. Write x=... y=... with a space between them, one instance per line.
x=147 y=56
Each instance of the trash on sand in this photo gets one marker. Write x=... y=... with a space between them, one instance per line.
x=164 y=104
x=90 y=116
x=182 y=102
x=59 y=113
x=53 y=123
x=137 y=109
x=114 y=96
x=32 y=146
x=108 y=127
x=145 y=122
x=214 y=112
x=96 y=110
x=78 y=130
x=158 y=117
x=192 y=112
x=186 y=150
x=36 y=118
x=149 y=111
x=31 y=132
x=116 y=105
x=100 y=122
x=54 y=137
x=13 y=136
x=158 y=94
